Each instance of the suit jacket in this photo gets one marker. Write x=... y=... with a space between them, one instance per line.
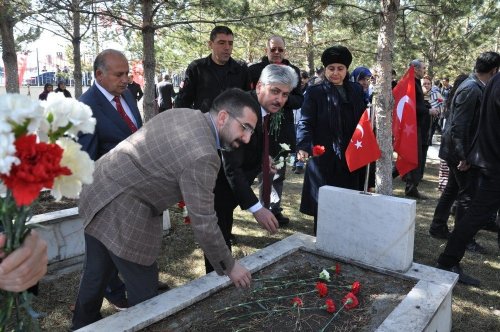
x=165 y=92
x=286 y=133
x=241 y=166
x=171 y=158
x=135 y=90
x=110 y=129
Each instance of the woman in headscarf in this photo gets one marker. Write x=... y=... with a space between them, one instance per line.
x=363 y=75
x=330 y=113
x=47 y=88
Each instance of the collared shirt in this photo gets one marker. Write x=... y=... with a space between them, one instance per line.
x=217 y=140
x=110 y=98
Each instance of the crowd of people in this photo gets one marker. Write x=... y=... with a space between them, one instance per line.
x=224 y=129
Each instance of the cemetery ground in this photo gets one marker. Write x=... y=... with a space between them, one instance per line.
x=181 y=259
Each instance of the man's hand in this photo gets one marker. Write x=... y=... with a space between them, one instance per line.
x=240 y=276
x=302 y=155
x=267 y=220
x=463 y=166
x=25 y=265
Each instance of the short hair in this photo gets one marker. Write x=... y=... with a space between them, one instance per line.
x=234 y=100
x=416 y=63
x=166 y=77
x=275 y=37
x=220 y=29
x=487 y=61
x=279 y=74
x=304 y=74
x=100 y=60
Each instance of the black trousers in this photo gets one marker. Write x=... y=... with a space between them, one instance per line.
x=486 y=201
x=461 y=187
x=99 y=267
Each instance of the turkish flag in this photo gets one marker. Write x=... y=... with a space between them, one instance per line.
x=363 y=148
x=404 y=123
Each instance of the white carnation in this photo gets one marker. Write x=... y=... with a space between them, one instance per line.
x=19 y=110
x=7 y=152
x=285 y=146
x=81 y=167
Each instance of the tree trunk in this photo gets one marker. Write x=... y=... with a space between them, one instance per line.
x=149 y=61
x=383 y=101
x=310 y=44
x=9 y=55
x=76 y=41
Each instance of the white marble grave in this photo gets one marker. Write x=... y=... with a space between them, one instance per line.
x=372 y=229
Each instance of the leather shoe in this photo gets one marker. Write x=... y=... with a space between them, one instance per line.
x=163 y=286
x=282 y=220
x=440 y=233
x=414 y=193
x=473 y=246
x=119 y=305
x=462 y=277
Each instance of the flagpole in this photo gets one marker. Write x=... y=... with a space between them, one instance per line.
x=367 y=175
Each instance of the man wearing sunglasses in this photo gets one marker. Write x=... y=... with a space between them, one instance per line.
x=285 y=132
x=241 y=166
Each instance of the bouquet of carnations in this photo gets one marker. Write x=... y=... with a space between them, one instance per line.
x=37 y=151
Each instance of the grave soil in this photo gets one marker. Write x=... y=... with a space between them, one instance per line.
x=294 y=274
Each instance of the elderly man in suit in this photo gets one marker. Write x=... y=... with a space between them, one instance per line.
x=117 y=115
x=241 y=166
x=173 y=157
x=165 y=92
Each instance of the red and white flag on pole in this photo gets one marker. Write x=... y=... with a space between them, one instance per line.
x=363 y=148
x=404 y=123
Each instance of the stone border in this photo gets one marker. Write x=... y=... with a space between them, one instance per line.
x=427 y=307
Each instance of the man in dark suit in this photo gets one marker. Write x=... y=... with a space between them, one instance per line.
x=134 y=88
x=173 y=157
x=110 y=72
x=241 y=166
x=285 y=131
x=165 y=92
x=484 y=154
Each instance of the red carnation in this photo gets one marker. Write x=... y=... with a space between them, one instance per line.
x=40 y=165
x=318 y=150
x=297 y=302
x=187 y=220
x=322 y=289
x=330 y=306
x=355 y=287
x=181 y=205
x=337 y=268
x=350 y=301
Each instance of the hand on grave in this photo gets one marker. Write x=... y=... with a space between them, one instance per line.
x=240 y=276
x=266 y=219
x=25 y=265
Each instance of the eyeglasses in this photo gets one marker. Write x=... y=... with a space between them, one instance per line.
x=278 y=49
x=245 y=126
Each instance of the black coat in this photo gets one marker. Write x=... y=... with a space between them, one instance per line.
x=328 y=121
x=485 y=150
x=286 y=133
x=165 y=92
x=135 y=90
x=463 y=121
x=202 y=84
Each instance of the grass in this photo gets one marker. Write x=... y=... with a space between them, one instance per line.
x=181 y=260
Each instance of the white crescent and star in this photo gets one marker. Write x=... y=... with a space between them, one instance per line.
x=401 y=106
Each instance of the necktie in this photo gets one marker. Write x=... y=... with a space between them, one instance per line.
x=266 y=167
x=124 y=115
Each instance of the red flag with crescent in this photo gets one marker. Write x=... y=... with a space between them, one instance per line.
x=404 y=123
x=363 y=148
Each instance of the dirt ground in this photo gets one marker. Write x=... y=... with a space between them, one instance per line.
x=181 y=260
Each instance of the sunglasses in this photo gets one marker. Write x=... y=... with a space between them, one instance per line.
x=278 y=49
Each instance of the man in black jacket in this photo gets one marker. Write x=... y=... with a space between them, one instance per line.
x=456 y=142
x=207 y=77
x=484 y=154
x=134 y=88
x=241 y=166
x=165 y=92
x=282 y=124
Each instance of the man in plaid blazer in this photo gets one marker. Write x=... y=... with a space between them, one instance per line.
x=171 y=158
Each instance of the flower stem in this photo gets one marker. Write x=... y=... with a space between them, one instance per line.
x=262 y=300
x=331 y=319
